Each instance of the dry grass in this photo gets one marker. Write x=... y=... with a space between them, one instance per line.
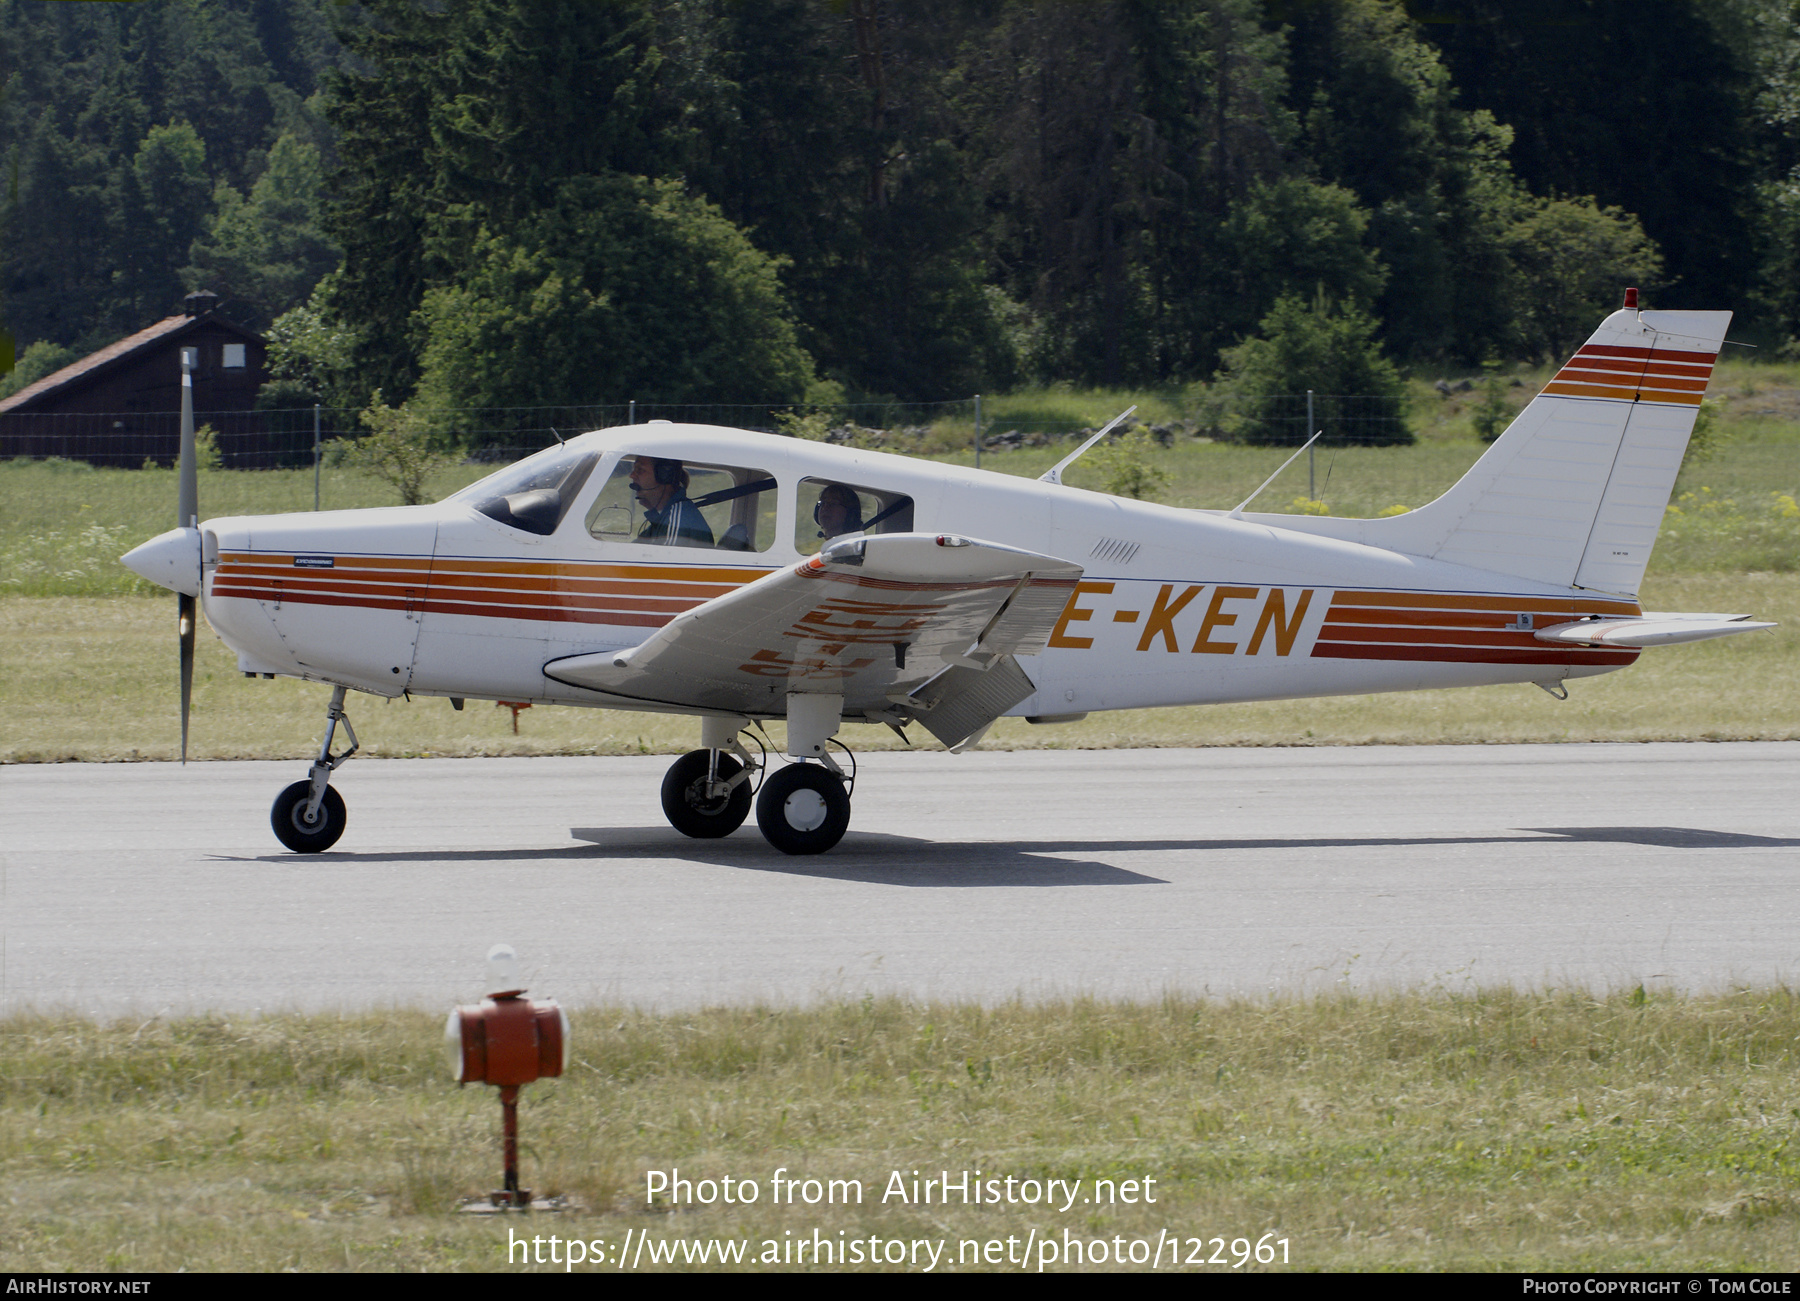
x=1494 y=1131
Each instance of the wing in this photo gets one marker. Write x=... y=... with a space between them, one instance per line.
x=903 y=626
x=1650 y=629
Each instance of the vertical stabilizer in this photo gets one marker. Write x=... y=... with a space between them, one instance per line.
x=1574 y=491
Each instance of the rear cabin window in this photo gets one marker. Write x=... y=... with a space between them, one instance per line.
x=534 y=494
x=829 y=509
x=663 y=501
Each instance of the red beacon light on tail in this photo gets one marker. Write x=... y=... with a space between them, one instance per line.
x=508 y=1041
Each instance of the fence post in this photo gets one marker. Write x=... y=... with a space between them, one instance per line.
x=978 y=431
x=316 y=456
x=1311 y=495
x=631 y=417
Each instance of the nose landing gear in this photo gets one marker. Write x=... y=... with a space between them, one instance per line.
x=308 y=817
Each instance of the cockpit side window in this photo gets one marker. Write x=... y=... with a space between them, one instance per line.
x=667 y=501
x=830 y=509
x=534 y=494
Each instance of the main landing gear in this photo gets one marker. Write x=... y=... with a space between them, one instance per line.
x=801 y=809
x=804 y=809
x=308 y=817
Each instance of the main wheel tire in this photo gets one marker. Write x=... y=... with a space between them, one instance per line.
x=803 y=809
x=288 y=817
x=690 y=810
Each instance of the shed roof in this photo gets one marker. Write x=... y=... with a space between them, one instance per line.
x=117 y=353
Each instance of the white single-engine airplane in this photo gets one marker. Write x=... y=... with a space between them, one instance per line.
x=738 y=577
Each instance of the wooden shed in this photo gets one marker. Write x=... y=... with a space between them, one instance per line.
x=121 y=406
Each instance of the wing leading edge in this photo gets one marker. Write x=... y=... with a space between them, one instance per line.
x=904 y=626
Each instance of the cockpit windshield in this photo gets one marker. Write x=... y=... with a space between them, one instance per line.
x=533 y=494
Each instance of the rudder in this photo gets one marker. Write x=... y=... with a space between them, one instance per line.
x=1574 y=491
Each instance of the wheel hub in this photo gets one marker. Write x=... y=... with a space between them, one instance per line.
x=702 y=802
x=804 y=810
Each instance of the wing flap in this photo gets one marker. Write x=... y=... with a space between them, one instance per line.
x=871 y=618
x=1650 y=629
x=962 y=701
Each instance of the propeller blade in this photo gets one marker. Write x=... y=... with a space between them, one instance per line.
x=188 y=501
x=188 y=510
x=185 y=630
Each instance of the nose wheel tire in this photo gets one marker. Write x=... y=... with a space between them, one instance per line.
x=288 y=817
x=690 y=810
x=803 y=809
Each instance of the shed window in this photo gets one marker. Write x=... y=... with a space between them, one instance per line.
x=234 y=356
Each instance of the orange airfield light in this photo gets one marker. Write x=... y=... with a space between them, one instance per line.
x=507 y=1041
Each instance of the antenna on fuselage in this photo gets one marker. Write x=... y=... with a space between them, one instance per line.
x=1271 y=479
x=1054 y=473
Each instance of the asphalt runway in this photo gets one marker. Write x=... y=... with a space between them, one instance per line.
x=137 y=889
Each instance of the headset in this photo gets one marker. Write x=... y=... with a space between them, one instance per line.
x=853 y=520
x=668 y=471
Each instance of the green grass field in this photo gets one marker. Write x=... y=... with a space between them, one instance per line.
x=1428 y=1131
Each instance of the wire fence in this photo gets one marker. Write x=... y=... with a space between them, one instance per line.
x=1288 y=420
x=293 y=438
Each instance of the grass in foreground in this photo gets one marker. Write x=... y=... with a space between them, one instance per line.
x=95 y=679
x=1493 y=1130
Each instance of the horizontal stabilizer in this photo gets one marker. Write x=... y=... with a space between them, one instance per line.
x=1650 y=629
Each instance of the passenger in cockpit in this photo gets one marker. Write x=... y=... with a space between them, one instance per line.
x=839 y=511
x=660 y=485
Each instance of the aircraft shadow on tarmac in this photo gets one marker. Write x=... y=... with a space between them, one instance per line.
x=867 y=857
x=1670 y=837
x=877 y=859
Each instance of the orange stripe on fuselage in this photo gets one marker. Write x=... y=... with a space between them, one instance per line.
x=1416 y=601
x=1428 y=636
x=1542 y=654
x=547 y=591
x=1460 y=629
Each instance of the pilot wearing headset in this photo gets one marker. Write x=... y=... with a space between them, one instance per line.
x=660 y=485
x=839 y=511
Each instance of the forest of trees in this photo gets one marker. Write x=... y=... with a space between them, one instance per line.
x=523 y=202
